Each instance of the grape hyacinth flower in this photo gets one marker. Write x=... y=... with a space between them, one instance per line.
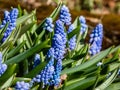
x=83 y=24
x=59 y=29
x=48 y=25
x=72 y=41
x=10 y=18
x=36 y=60
x=22 y=86
x=3 y=67
x=96 y=38
x=46 y=74
x=65 y=16
x=56 y=76
x=59 y=51
x=59 y=47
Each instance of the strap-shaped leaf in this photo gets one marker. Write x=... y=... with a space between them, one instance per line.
x=8 y=73
x=7 y=83
x=56 y=11
x=36 y=70
x=108 y=81
x=81 y=83
x=89 y=63
x=114 y=86
x=74 y=32
x=35 y=87
x=15 y=50
x=24 y=18
x=27 y=53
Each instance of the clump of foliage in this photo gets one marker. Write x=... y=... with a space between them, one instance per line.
x=54 y=54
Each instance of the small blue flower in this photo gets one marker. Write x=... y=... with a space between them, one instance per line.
x=36 y=60
x=83 y=24
x=22 y=86
x=59 y=47
x=10 y=18
x=72 y=41
x=50 y=53
x=96 y=38
x=46 y=75
x=57 y=72
x=3 y=67
x=59 y=29
x=65 y=16
x=48 y=24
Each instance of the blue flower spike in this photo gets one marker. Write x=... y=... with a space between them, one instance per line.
x=83 y=24
x=36 y=60
x=96 y=38
x=72 y=41
x=65 y=15
x=10 y=18
x=46 y=75
x=3 y=67
x=48 y=25
x=22 y=86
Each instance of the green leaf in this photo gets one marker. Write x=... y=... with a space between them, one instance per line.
x=56 y=11
x=36 y=70
x=20 y=11
x=89 y=63
x=20 y=79
x=37 y=40
x=108 y=81
x=4 y=45
x=68 y=61
x=74 y=32
x=115 y=49
x=113 y=66
x=81 y=53
x=15 y=50
x=114 y=86
x=24 y=18
x=57 y=1
x=35 y=87
x=25 y=28
x=81 y=84
x=7 y=83
x=8 y=73
x=27 y=53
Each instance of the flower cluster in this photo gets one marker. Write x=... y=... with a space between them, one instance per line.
x=59 y=29
x=46 y=75
x=65 y=16
x=96 y=38
x=59 y=45
x=48 y=24
x=83 y=24
x=56 y=76
x=22 y=86
x=3 y=67
x=72 y=41
x=36 y=60
x=10 y=18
